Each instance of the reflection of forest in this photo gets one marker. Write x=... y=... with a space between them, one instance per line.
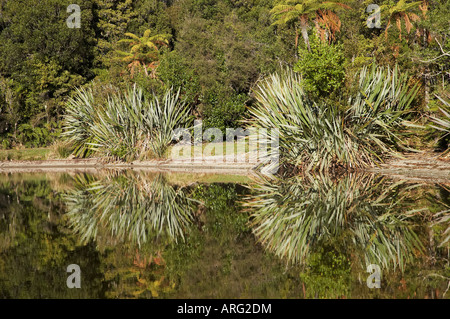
x=126 y=243
x=352 y=222
x=36 y=247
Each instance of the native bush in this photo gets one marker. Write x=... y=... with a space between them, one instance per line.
x=127 y=126
x=319 y=136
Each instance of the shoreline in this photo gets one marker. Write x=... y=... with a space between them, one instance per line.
x=415 y=167
x=95 y=164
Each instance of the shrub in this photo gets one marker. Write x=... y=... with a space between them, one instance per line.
x=322 y=69
x=127 y=126
x=222 y=110
x=321 y=136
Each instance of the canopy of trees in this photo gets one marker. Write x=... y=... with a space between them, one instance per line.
x=214 y=50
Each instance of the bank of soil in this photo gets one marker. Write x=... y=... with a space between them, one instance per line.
x=93 y=164
x=424 y=167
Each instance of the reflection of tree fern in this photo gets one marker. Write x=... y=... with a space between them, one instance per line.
x=129 y=206
x=294 y=217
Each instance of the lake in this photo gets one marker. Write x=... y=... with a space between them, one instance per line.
x=140 y=234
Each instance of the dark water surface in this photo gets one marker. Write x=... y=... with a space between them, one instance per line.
x=148 y=235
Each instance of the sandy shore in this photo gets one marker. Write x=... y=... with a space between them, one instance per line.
x=416 y=167
x=423 y=167
x=95 y=164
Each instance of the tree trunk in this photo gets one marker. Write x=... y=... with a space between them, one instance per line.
x=426 y=88
x=305 y=36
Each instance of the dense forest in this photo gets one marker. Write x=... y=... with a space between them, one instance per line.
x=215 y=54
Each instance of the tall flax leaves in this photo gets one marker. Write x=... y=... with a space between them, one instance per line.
x=361 y=214
x=318 y=136
x=128 y=206
x=443 y=124
x=127 y=127
x=379 y=108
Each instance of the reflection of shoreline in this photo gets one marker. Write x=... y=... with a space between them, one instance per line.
x=425 y=168
x=96 y=165
x=181 y=178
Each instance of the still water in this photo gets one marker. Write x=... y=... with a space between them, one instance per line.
x=153 y=235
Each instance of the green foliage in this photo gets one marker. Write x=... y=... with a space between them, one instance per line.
x=30 y=136
x=174 y=71
x=443 y=123
x=34 y=236
x=320 y=137
x=144 y=51
x=42 y=60
x=218 y=50
x=113 y=19
x=327 y=275
x=400 y=12
x=127 y=127
x=222 y=111
x=322 y=69
x=128 y=207
x=294 y=218
x=300 y=12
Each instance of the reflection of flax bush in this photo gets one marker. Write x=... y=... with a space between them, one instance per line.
x=441 y=215
x=318 y=136
x=130 y=207
x=295 y=217
x=127 y=126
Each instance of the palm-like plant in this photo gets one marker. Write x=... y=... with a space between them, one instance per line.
x=144 y=50
x=127 y=126
x=399 y=12
x=301 y=11
x=444 y=122
x=128 y=206
x=81 y=111
x=379 y=109
x=318 y=137
x=167 y=115
x=293 y=218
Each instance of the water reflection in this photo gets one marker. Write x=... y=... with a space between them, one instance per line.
x=36 y=247
x=372 y=219
x=440 y=205
x=136 y=235
x=128 y=206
